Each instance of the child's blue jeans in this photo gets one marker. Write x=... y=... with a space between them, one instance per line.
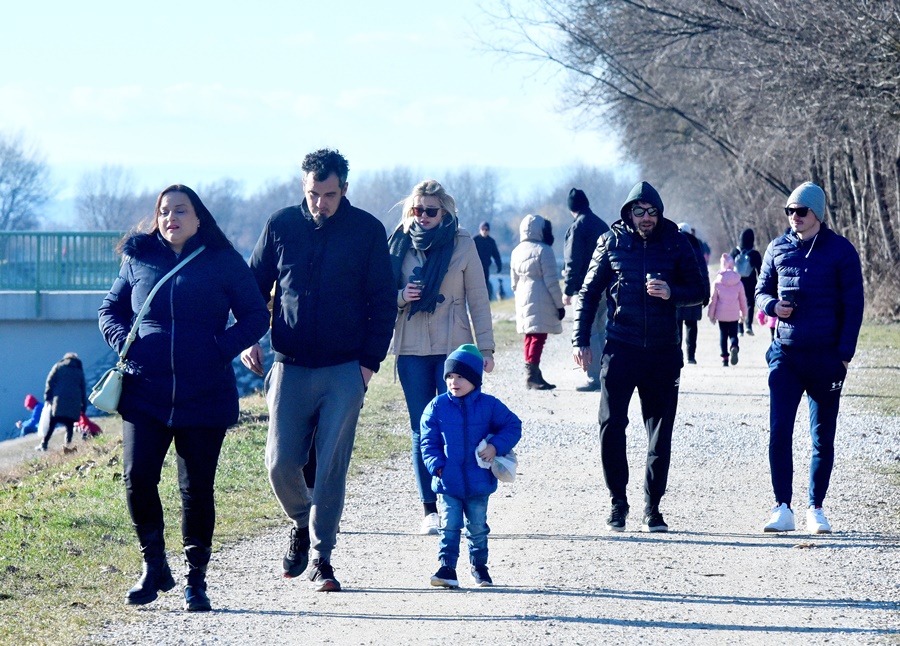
x=453 y=510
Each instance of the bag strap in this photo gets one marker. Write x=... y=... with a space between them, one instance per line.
x=140 y=317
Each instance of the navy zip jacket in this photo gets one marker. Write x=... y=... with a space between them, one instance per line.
x=581 y=240
x=826 y=275
x=451 y=429
x=334 y=293
x=179 y=366
x=619 y=268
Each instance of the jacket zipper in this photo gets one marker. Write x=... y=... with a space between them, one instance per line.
x=172 y=348
x=465 y=416
x=646 y=296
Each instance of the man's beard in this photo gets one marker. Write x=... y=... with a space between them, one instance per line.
x=319 y=218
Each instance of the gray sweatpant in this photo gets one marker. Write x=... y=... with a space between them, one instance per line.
x=598 y=340
x=304 y=401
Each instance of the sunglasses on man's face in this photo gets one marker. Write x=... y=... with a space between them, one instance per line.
x=430 y=211
x=639 y=211
x=799 y=211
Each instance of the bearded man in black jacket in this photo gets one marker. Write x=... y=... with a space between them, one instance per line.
x=646 y=269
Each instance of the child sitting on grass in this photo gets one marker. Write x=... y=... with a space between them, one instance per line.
x=452 y=426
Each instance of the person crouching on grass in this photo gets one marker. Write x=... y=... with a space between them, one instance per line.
x=452 y=426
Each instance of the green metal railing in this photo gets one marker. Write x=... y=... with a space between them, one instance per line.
x=69 y=261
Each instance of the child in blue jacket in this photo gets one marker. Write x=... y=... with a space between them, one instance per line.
x=452 y=426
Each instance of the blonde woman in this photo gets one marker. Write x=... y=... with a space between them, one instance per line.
x=441 y=300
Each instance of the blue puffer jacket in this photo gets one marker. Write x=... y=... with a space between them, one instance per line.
x=825 y=272
x=451 y=429
x=619 y=268
x=180 y=364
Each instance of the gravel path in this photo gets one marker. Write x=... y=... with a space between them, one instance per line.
x=561 y=577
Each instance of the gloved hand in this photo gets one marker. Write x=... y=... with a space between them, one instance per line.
x=562 y=313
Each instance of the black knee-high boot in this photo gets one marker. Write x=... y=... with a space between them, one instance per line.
x=156 y=575
x=196 y=558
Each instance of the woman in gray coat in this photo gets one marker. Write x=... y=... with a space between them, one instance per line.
x=535 y=280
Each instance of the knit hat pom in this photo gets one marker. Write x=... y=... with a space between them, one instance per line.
x=726 y=261
x=467 y=362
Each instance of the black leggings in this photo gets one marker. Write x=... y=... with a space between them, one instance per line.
x=728 y=330
x=68 y=422
x=146 y=442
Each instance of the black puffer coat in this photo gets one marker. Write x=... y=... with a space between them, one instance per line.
x=619 y=267
x=180 y=364
x=65 y=389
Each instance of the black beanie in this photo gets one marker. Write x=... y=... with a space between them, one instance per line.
x=578 y=202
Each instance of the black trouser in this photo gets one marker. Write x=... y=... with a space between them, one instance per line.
x=728 y=331
x=655 y=373
x=750 y=293
x=68 y=422
x=146 y=442
x=691 y=336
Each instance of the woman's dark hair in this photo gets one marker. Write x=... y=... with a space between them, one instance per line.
x=547 y=232
x=209 y=232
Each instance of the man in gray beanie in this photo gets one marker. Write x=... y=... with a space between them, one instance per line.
x=811 y=280
x=581 y=240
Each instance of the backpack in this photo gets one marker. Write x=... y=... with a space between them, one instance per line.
x=742 y=264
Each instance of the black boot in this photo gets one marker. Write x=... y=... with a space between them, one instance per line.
x=533 y=378
x=156 y=576
x=540 y=377
x=196 y=559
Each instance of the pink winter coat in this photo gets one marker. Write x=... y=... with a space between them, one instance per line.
x=729 y=302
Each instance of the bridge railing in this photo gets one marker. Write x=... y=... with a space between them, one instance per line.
x=58 y=261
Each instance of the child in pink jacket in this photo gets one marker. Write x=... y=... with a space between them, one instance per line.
x=767 y=321
x=728 y=306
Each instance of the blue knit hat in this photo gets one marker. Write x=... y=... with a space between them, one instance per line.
x=467 y=362
x=809 y=195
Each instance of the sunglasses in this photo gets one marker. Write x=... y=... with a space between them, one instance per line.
x=639 y=212
x=430 y=211
x=800 y=211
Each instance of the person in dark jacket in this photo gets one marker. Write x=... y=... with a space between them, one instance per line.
x=453 y=426
x=66 y=395
x=748 y=281
x=580 y=242
x=811 y=279
x=487 y=252
x=333 y=317
x=687 y=317
x=647 y=269
x=179 y=386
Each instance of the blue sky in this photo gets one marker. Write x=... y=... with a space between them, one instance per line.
x=197 y=91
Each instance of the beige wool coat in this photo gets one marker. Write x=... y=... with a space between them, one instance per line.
x=465 y=307
x=535 y=280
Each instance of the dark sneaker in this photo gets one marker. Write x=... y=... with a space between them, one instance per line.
x=592 y=386
x=480 y=576
x=692 y=361
x=617 y=516
x=297 y=556
x=445 y=577
x=653 y=522
x=734 y=355
x=322 y=577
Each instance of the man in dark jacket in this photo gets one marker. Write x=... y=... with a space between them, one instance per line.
x=688 y=317
x=333 y=316
x=487 y=251
x=647 y=269
x=66 y=394
x=811 y=279
x=581 y=240
x=747 y=262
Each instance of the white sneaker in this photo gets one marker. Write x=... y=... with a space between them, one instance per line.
x=430 y=524
x=816 y=523
x=782 y=519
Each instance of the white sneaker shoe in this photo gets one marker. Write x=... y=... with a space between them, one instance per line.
x=782 y=519
x=430 y=524
x=816 y=523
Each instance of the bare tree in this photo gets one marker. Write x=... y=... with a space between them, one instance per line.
x=24 y=184
x=108 y=200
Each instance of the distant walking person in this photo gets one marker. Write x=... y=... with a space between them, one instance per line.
x=180 y=386
x=688 y=317
x=487 y=252
x=747 y=263
x=580 y=243
x=333 y=310
x=728 y=306
x=66 y=395
x=811 y=279
x=441 y=303
x=647 y=269
x=535 y=282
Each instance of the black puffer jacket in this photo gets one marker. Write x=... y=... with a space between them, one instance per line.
x=180 y=364
x=619 y=267
x=65 y=389
x=581 y=240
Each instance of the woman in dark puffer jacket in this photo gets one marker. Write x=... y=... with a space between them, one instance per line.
x=179 y=384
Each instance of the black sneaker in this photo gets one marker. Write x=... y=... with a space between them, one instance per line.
x=297 y=556
x=445 y=577
x=480 y=576
x=617 y=516
x=322 y=577
x=653 y=521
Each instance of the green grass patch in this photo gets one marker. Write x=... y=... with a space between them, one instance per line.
x=874 y=379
